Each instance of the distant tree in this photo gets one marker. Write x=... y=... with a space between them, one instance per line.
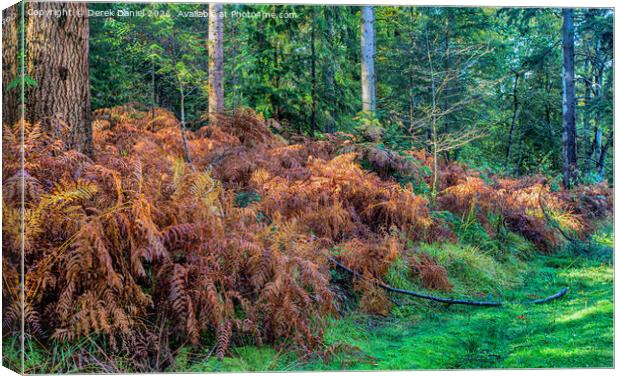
x=57 y=59
x=176 y=59
x=595 y=48
x=216 y=60
x=569 y=131
x=368 y=56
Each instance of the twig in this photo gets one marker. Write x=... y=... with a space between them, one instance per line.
x=420 y=295
x=448 y=300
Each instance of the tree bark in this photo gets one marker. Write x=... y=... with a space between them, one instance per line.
x=216 y=61
x=330 y=69
x=598 y=66
x=586 y=123
x=10 y=65
x=515 y=115
x=153 y=89
x=313 y=121
x=600 y=162
x=569 y=144
x=589 y=72
x=188 y=157
x=368 y=57
x=57 y=53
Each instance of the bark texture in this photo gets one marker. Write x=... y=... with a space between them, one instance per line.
x=368 y=59
x=515 y=116
x=10 y=64
x=216 y=61
x=57 y=51
x=569 y=131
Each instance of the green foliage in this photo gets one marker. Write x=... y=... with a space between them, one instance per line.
x=471 y=270
x=245 y=198
x=244 y=359
x=497 y=72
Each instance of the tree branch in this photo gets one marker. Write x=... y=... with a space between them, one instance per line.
x=448 y=300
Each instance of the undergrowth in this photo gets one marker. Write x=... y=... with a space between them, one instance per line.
x=136 y=255
x=574 y=332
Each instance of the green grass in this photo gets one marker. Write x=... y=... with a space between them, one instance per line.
x=574 y=331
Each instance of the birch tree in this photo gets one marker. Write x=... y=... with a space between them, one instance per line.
x=216 y=61
x=368 y=57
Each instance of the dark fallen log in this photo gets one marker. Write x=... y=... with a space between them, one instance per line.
x=479 y=303
x=557 y=295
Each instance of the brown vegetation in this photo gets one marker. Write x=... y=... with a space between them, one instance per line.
x=150 y=252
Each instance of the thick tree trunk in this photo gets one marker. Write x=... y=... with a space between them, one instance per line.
x=57 y=52
x=569 y=144
x=216 y=61
x=10 y=64
x=368 y=59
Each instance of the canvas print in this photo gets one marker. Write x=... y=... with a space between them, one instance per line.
x=207 y=187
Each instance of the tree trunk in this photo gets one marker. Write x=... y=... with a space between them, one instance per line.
x=586 y=122
x=589 y=71
x=235 y=58
x=153 y=88
x=313 y=124
x=598 y=66
x=597 y=145
x=433 y=123
x=57 y=52
x=600 y=164
x=10 y=45
x=515 y=115
x=569 y=145
x=330 y=69
x=216 y=61
x=368 y=57
x=188 y=156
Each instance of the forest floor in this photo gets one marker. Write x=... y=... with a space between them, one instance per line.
x=574 y=331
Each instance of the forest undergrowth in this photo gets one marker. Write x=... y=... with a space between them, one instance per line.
x=135 y=255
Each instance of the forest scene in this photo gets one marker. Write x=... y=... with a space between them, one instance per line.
x=249 y=187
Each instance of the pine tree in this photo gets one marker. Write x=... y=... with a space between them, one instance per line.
x=57 y=53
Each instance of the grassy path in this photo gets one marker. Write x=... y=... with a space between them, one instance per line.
x=575 y=331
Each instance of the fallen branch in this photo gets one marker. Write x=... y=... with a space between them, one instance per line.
x=557 y=295
x=479 y=303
